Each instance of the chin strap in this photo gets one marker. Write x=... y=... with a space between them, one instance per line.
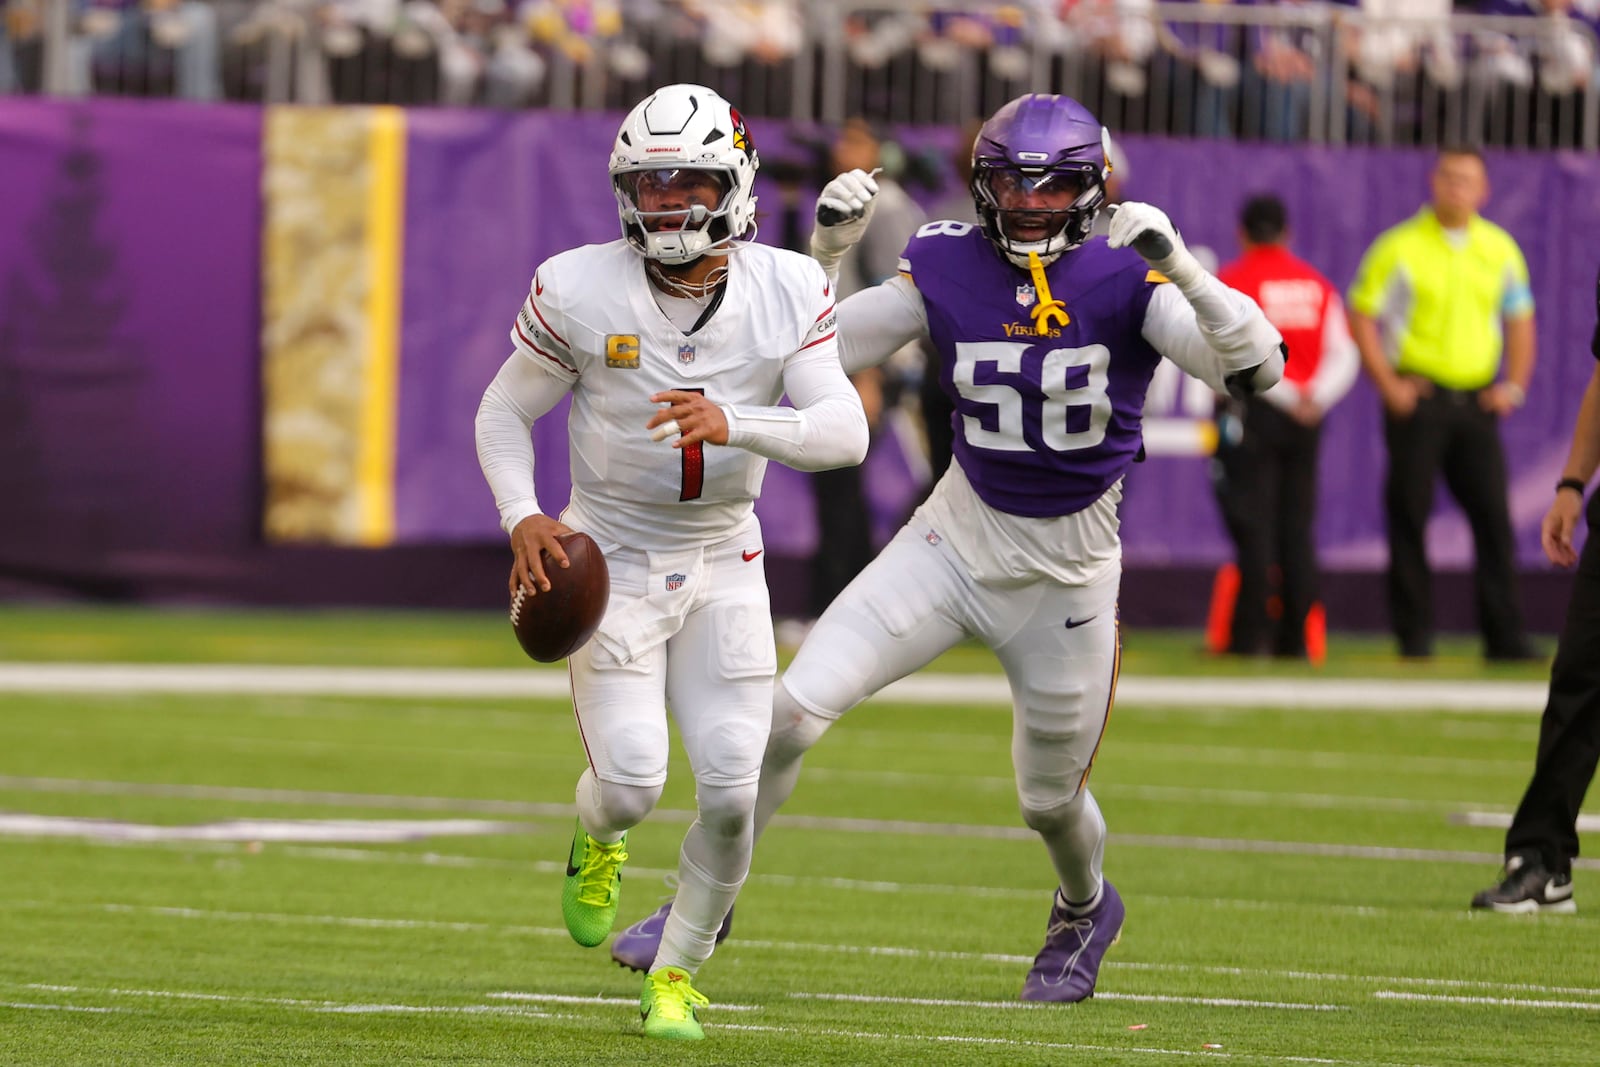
x=1048 y=308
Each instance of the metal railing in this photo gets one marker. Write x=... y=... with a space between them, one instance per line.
x=1315 y=72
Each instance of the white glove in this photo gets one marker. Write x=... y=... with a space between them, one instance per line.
x=1146 y=229
x=843 y=211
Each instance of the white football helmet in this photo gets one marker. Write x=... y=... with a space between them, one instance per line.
x=684 y=128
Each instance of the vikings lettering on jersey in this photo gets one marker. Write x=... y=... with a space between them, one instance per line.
x=1047 y=411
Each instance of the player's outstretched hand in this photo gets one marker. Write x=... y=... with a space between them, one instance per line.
x=1146 y=229
x=843 y=211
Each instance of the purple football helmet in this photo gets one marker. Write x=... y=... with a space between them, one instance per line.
x=1039 y=176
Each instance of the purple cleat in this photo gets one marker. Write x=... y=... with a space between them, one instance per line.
x=636 y=947
x=1065 y=970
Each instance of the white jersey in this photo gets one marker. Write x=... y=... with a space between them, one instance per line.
x=592 y=322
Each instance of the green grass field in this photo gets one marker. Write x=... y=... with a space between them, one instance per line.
x=1296 y=887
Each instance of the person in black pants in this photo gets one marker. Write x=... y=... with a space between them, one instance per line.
x=1421 y=310
x=1543 y=839
x=1265 y=474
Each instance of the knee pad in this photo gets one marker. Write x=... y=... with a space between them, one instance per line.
x=726 y=810
x=625 y=805
x=794 y=728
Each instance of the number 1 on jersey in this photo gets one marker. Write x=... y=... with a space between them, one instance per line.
x=694 y=466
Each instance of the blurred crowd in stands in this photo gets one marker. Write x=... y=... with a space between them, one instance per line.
x=1519 y=72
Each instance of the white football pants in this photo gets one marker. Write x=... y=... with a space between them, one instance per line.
x=1059 y=646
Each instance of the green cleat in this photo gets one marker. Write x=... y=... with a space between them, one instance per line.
x=593 y=886
x=668 y=1005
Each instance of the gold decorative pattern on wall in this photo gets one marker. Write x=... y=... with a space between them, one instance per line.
x=333 y=204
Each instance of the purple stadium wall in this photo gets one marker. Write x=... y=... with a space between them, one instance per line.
x=130 y=324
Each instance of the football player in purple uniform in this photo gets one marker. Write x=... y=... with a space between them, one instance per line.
x=1047 y=339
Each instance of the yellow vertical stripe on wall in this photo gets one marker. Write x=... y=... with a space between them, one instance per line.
x=386 y=148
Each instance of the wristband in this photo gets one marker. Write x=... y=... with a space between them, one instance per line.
x=1519 y=395
x=1577 y=485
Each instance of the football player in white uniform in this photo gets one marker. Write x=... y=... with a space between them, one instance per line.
x=675 y=343
x=1047 y=340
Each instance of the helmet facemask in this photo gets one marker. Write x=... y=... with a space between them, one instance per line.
x=1045 y=210
x=675 y=215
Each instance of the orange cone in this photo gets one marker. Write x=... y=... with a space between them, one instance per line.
x=1317 y=635
x=1219 y=620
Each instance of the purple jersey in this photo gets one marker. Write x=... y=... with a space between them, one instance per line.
x=1047 y=418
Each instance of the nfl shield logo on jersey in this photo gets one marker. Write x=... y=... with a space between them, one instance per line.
x=1026 y=297
x=686 y=353
x=674 y=582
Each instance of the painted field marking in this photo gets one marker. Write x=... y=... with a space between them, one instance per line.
x=632 y=1002
x=372 y=831
x=1497 y=1002
x=1010 y=1005
x=410 y=683
x=1065 y=1046
x=329 y=1006
x=807 y=822
x=885 y=951
x=1501 y=820
x=941 y=1039
x=23 y=1006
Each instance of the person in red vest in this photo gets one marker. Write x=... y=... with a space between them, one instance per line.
x=1265 y=470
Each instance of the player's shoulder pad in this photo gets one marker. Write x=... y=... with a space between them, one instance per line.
x=565 y=276
x=935 y=240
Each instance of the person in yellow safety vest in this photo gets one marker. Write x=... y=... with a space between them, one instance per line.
x=1436 y=302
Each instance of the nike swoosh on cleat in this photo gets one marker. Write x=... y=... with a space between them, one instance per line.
x=1074 y=624
x=571 y=870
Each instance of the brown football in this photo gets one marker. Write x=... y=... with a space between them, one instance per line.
x=553 y=625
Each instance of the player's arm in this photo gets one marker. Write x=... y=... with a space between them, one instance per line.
x=827 y=426
x=1340 y=362
x=1380 y=283
x=529 y=384
x=1516 y=309
x=1214 y=333
x=878 y=321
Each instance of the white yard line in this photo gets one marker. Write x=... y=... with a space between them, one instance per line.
x=924 y=688
x=1493 y=1002
x=632 y=1002
x=1212 y=1053
x=329 y=1006
x=1010 y=1005
x=1500 y=820
x=805 y=822
x=336 y=1007
x=876 y=951
x=23 y=1006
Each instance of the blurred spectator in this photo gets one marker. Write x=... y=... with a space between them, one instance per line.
x=844 y=522
x=767 y=31
x=1442 y=285
x=1118 y=33
x=1557 y=51
x=154 y=47
x=1402 y=45
x=1206 y=69
x=1283 y=67
x=1266 y=463
x=19 y=23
